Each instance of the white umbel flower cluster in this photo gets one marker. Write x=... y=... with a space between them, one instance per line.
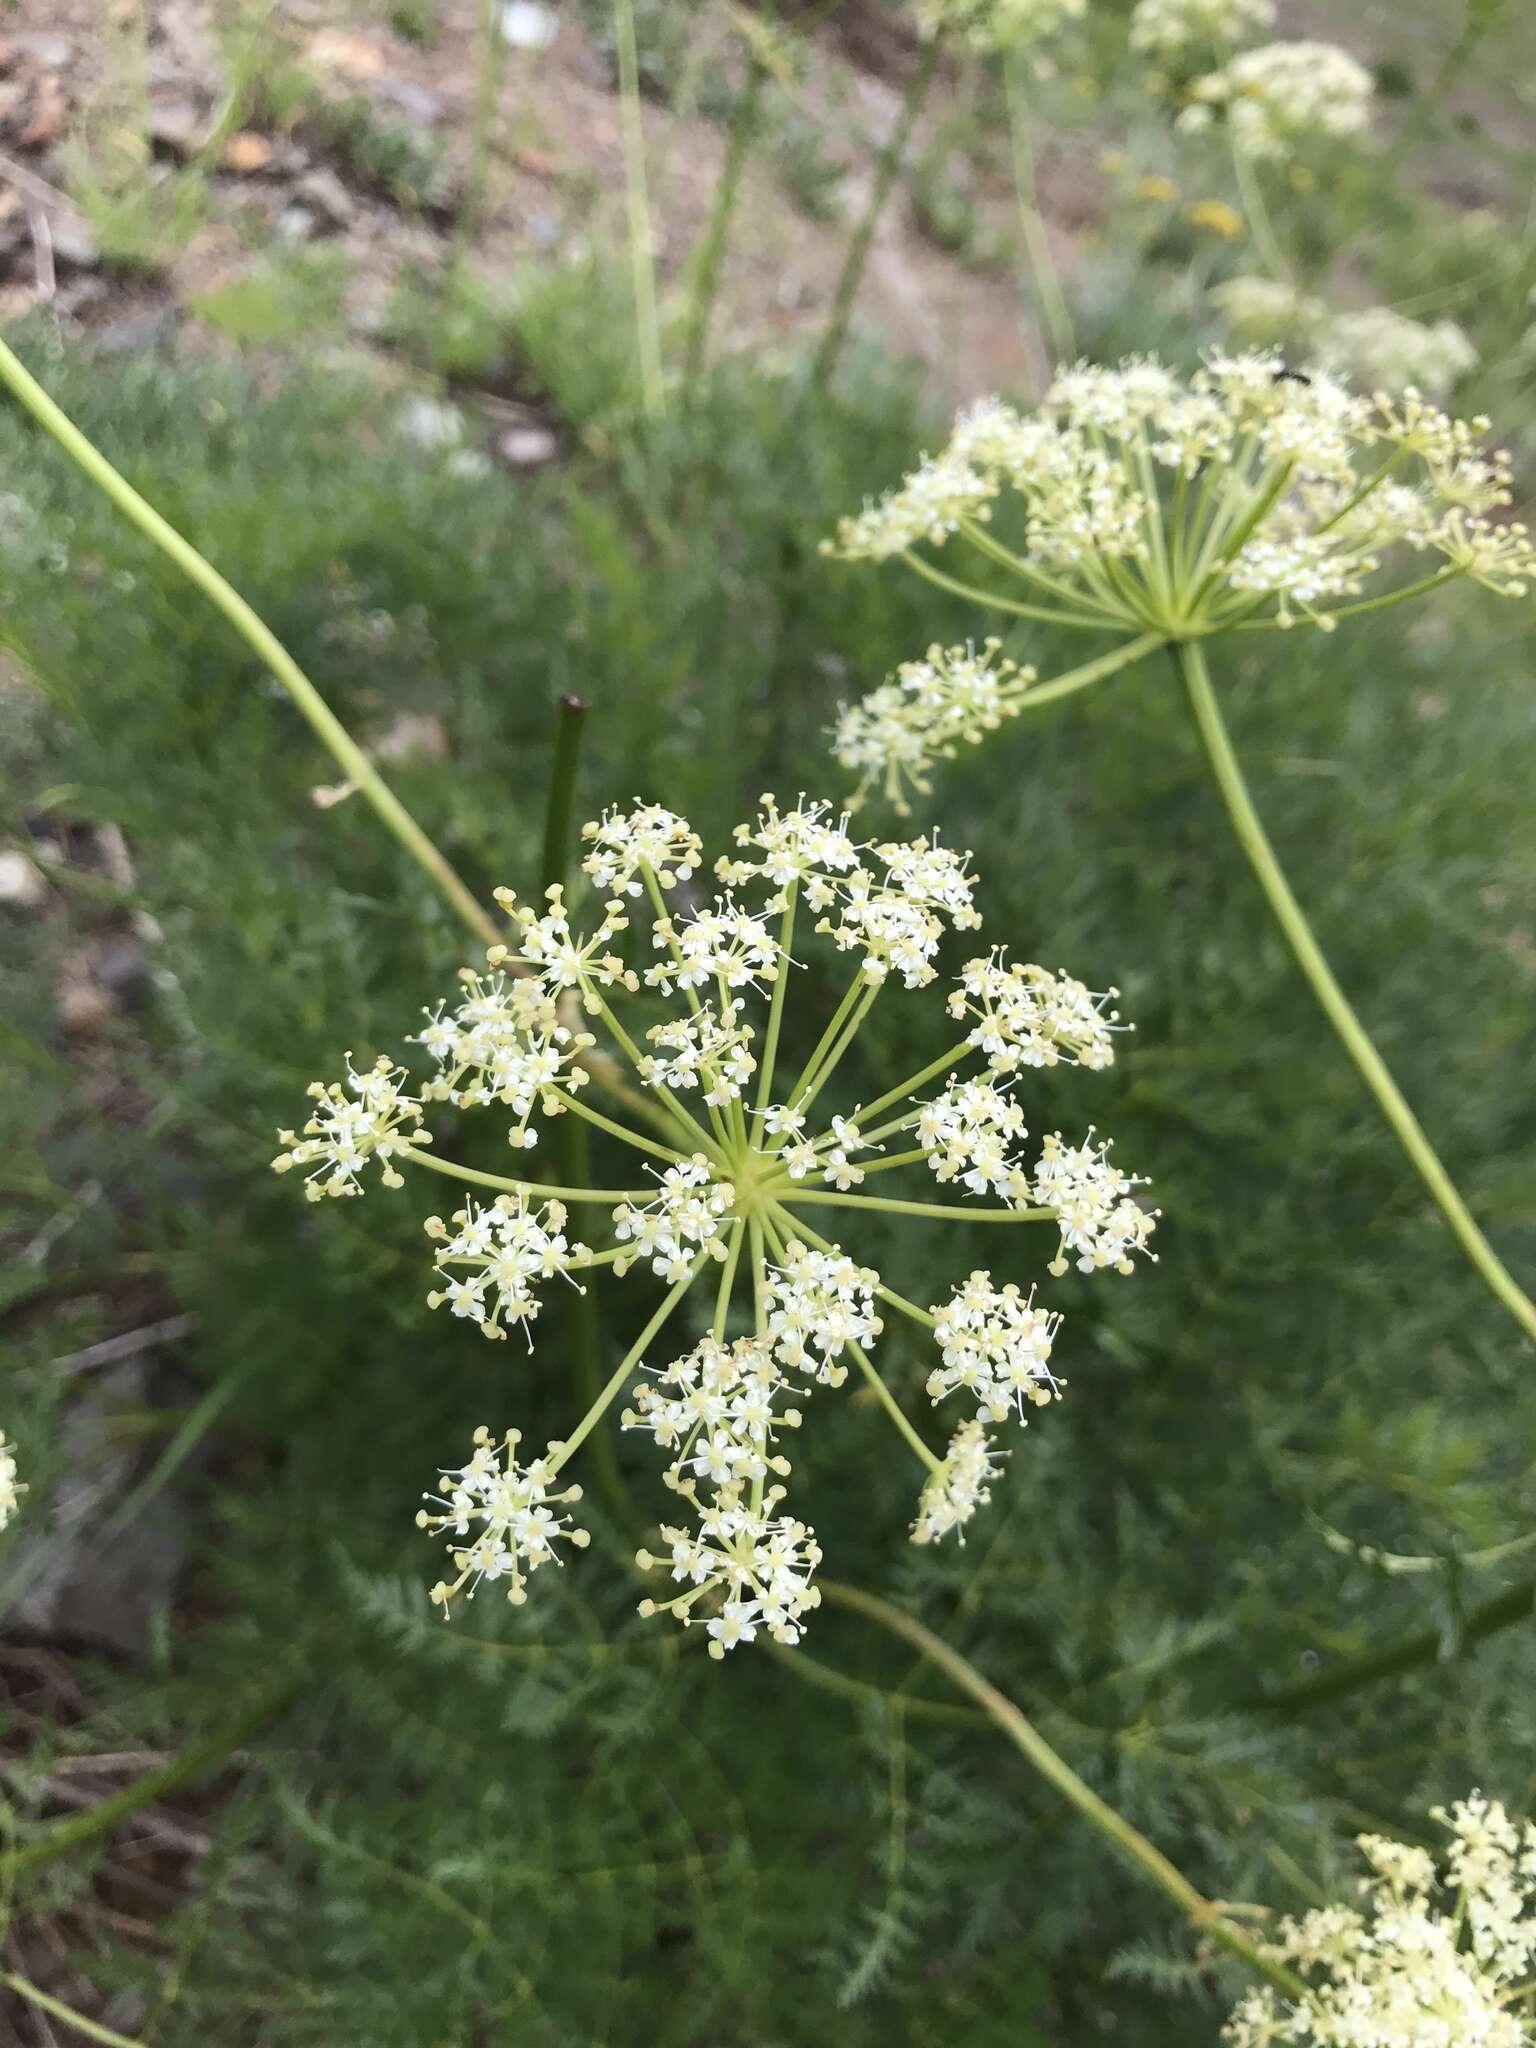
x=1372 y=346
x=1436 y=1959
x=999 y=24
x=494 y=1257
x=1170 y=28
x=1281 y=96
x=507 y=1510
x=752 y=1132
x=961 y=1485
x=11 y=1489
x=368 y=1117
x=1136 y=501
x=997 y=1350
x=1377 y=346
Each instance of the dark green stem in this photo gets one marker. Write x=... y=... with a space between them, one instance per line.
x=1516 y=1603
x=192 y=1764
x=864 y=234
x=710 y=255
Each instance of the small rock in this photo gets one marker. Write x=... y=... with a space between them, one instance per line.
x=53 y=53
x=137 y=332
x=527 y=26
x=295 y=224
x=431 y=423
x=524 y=447
x=324 y=191
x=176 y=127
x=81 y=1005
x=420 y=103
x=349 y=56
x=74 y=246
x=122 y=970
x=22 y=887
x=246 y=152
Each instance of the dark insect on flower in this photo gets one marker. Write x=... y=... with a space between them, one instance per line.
x=1288 y=376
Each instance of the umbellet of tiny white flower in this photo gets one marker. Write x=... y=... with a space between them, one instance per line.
x=999 y=24
x=1132 y=500
x=1436 y=1956
x=954 y=696
x=508 y=1511
x=743 y=1151
x=1170 y=28
x=11 y=1489
x=961 y=1485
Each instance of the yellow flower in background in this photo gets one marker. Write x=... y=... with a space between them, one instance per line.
x=1216 y=215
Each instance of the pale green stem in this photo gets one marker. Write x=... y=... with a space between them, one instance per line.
x=727 y=1281
x=1088 y=622
x=955 y=1054
x=1076 y=679
x=776 y=1005
x=829 y=1065
x=626 y=1365
x=1262 y=228
x=1204 y=1914
x=850 y=997
x=894 y=1409
x=355 y=764
x=979 y=537
x=894 y=1208
x=1400 y=596
x=1335 y=1004
x=93 y=2030
x=418 y=1155
x=634 y=1055
x=897 y=1159
x=1222 y=547
x=642 y=263
x=614 y=1130
x=1037 y=247
x=664 y=926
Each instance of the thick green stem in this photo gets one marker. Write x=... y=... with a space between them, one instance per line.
x=863 y=236
x=356 y=765
x=1204 y=1914
x=1190 y=658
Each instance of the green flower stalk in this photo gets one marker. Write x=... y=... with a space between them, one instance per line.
x=1167 y=511
x=739 y=1197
